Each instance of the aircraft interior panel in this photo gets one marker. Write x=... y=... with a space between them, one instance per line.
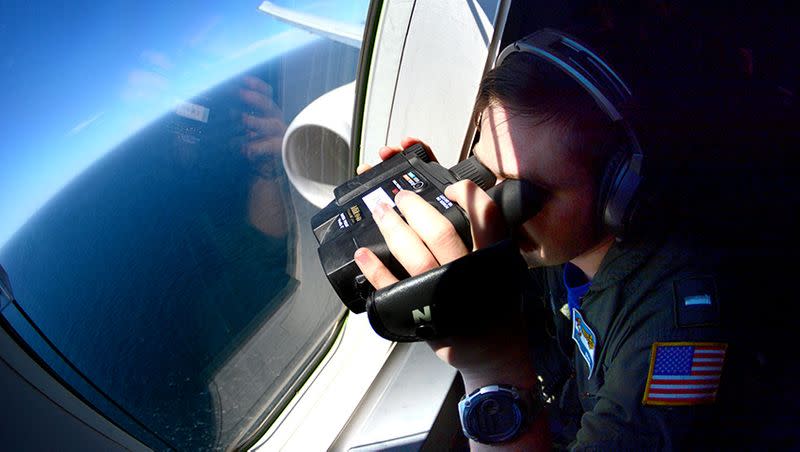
x=444 y=37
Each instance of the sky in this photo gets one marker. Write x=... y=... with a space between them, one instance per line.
x=80 y=77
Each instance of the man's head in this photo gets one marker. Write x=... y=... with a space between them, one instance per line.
x=538 y=124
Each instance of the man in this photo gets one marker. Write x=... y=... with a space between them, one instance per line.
x=639 y=310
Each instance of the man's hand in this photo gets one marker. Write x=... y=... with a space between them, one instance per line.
x=426 y=240
x=264 y=125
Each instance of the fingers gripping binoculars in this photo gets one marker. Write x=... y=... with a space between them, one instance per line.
x=437 y=303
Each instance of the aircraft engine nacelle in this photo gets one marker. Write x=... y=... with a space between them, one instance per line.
x=316 y=146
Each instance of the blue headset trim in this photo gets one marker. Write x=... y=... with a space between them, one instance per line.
x=596 y=59
x=542 y=43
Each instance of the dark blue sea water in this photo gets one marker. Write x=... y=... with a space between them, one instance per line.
x=146 y=272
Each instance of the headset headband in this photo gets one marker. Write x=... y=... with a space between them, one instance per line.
x=580 y=63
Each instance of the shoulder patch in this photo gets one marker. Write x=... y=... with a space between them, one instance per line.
x=696 y=302
x=684 y=373
x=585 y=338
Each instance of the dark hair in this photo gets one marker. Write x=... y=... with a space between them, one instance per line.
x=528 y=86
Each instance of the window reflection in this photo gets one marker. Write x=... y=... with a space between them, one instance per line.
x=162 y=272
x=264 y=128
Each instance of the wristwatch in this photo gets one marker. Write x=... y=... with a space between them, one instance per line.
x=498 y=413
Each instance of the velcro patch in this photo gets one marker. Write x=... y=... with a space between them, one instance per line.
x=585 y=338
x=696 y=302
x=684 y=373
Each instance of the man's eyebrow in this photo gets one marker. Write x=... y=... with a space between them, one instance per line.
x=505 y=175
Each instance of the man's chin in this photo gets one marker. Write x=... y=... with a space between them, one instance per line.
x=533 y=258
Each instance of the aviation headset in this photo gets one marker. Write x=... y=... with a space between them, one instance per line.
x=618 y=193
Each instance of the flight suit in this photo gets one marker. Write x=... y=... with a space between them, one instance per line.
x=596 y=361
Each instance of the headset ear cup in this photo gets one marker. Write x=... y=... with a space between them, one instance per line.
x=607 y=189
x=621 y=197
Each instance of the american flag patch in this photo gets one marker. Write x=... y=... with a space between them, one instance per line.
x=684 y=373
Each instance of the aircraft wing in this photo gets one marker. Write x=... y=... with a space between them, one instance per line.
x=345 y=33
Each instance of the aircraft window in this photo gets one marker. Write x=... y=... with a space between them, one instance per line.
x=149 y=230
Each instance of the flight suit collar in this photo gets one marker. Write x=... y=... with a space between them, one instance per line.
x=622 y=259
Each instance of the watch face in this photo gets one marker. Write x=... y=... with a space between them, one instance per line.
x=493 y=417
